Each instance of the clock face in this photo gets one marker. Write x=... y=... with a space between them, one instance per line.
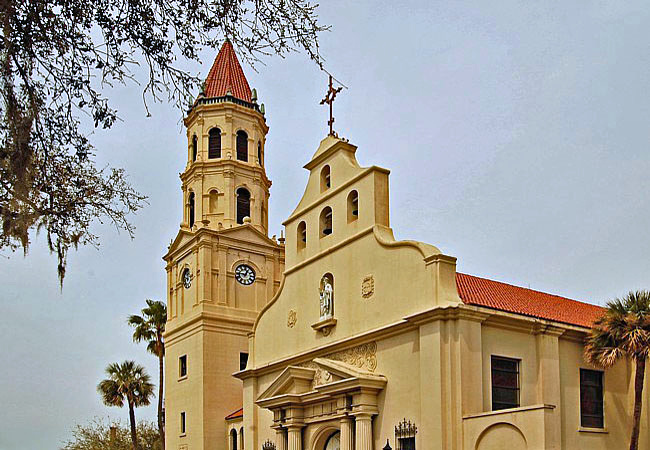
x=245 y=274
x=187 y=279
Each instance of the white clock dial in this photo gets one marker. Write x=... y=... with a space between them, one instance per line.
x=245 y=274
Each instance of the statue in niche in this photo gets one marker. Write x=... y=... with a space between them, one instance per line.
x=326 y=297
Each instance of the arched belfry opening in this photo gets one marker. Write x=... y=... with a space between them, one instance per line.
x=243 y=204
x=325 y=221
x=242 y=146
x=353 y=206
x=325 y=181
x=190 y=209
x=301 y=237
x=195 y=147
x=214 y=143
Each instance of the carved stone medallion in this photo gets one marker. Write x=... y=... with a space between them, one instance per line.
x=368 y=286
x=292 y=318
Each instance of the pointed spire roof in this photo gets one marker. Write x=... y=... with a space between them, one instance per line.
x=226 y=75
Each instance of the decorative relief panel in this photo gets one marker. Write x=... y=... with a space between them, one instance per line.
x=363 y=356
x=367 y=286
x=320 y=377
x=292 y=318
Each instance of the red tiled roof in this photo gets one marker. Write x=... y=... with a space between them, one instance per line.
x=506 y=297
x=236 y=415
x=227 y=75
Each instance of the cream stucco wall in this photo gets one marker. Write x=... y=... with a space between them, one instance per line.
x=409 y=350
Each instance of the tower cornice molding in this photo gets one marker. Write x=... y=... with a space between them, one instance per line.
x=227 y=108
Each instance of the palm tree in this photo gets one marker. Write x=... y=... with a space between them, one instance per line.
x=127 y=381
x=624 y=331
x=150 y=328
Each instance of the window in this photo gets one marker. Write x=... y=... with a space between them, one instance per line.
x=242 y=146
x=301 y=237
x=405 y=435
x=243 y=360
x=591 y=399
x=182 y=366
x=259 y=153
x=326 y=221
x=241 y=438
x=214 y=143
x=191 y=209
x=233 y=439
x=243 y=204
x=195 y=147
x=353 y=206
x=505 y=383
x=325 y=179
x=183 y=422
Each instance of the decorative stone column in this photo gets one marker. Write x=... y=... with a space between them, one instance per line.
x=347 y=438
x=363 y=435
x=294 y=437
x=280 y=439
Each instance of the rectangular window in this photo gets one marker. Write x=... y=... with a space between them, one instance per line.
x=505 y=383
x=591 y=399
x=182 y=366
x=183 y=422
x=243 y=360
x=406 y=443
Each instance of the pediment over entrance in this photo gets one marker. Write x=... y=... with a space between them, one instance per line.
x=292 y=380
x=319 y=380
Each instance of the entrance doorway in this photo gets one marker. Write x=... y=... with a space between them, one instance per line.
x=333 y=442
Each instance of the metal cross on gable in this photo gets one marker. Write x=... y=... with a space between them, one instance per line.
x=329 y=99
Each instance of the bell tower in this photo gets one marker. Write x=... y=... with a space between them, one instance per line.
x=222 y=267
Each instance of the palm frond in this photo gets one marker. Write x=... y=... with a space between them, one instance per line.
x=622 y=330
x=127 y=381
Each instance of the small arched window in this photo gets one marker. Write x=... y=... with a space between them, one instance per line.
x=191 y=209
x=301 y=235
x=233 y=439
x=325 y=182
x=259 y=153
x=213 y=200
x=214 y=143
x=243 y=204
x=353 y=206
x=241 y=438
x=326 y=221
x=242 y=146
x=195 y=147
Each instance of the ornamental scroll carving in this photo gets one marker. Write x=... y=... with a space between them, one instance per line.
x=362 y=356
x=292 y=318
x=367 y=286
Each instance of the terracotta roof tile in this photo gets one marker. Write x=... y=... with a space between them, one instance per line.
x=226 y=75
x=506 y=297
x=236 y=414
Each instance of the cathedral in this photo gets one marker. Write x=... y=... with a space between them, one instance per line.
x=343 y=338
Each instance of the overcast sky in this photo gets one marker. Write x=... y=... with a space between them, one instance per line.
x=517 y=138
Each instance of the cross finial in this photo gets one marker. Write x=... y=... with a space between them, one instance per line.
x=329 y=99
